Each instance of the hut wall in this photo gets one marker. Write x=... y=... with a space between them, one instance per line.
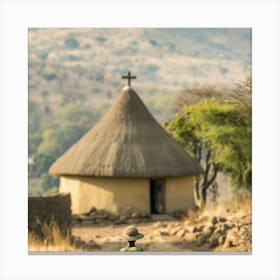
x=179 y=193
x=114 y=195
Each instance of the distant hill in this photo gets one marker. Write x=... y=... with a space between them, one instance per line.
x=85 y=65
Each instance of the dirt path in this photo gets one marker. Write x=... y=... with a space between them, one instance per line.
x=155 y=239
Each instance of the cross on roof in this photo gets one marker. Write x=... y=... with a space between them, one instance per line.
x=129 y=77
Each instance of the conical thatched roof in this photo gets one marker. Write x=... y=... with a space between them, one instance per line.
x=127 y=142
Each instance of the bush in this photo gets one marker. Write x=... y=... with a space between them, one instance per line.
x=101 y=39
x=153 y=42
x=42 y=162
x=43 y=55
x=50 y=76
x=72 y=57
x=71 y=43
x=49 y=182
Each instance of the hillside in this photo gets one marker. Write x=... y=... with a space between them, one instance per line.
x=75 y=74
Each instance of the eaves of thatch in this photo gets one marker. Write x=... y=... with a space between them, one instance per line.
x=127 y=143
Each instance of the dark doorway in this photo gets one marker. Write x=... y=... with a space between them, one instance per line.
x=157 y=196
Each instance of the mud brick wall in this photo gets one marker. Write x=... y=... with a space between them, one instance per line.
x=48 y=211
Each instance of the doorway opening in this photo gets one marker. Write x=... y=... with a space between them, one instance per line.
x=157 y=196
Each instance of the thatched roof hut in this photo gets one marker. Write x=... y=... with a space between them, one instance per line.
x=126 y=148
x=127 y=143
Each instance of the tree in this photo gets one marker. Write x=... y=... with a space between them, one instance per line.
x=49 y=182
x=218 y=134
x=186 y=131
x=71 y=43
x=42 y=162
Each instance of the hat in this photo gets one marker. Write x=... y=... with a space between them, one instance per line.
x=131 y=233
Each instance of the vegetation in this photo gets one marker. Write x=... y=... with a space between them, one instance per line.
x=74 y=77
x=217 y=132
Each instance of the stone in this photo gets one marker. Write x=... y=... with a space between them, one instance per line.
x=92 y=209
x=163 y=233
x=174 y=230
x=158 y=225
x=193 y=229
x=201 y=239
x=214 y=220
x=228 y=243
x=226 y=227
x=135 y=215
x=181 y=233
x=222 y=219
x=222 y=239
x=213 y=241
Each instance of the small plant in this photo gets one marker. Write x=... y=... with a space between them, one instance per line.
x=101 y=39
x=50 y=239
x=71 y=43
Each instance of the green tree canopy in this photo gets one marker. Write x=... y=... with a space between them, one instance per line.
x=222 y=128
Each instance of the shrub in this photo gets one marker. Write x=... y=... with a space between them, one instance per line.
x=71 y=43
x=50 y=76
x=101 y=39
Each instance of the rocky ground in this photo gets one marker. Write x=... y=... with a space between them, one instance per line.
x=215 y=230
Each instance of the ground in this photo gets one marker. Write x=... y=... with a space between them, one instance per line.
x=222 y=229
x=228 y=230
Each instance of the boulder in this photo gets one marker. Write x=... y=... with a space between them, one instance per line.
x=214 y=220
x=226 y=227
x=213 y=241
x=174 y=230
x=92 y=209
x=180 y=233
x=201 y=239
x=222 y=239
x=158 y=224
x=222 y=219
x=163 y=233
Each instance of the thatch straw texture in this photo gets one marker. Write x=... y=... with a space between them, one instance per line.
x=127 y=142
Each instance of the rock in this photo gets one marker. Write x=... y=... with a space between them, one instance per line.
x=222 y=219
x=228 y=243
x=135 y=215
x=214 y=220
x=201 y=239
x=163 y=233
x=92 y=209
x=222 y=239
x=158 y=225
x=174 y=230
x=213 y=241
x=193 y=229
x=226 y=227
x=181 y=233
x=218 y=231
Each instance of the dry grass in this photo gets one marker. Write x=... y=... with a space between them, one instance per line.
x=54 y=240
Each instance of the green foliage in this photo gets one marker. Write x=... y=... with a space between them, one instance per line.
x=87 y=46
x=152 y=68
x=153 y=42
x=49 y=76
x=42 y=162
x=52 y=190
x=57 y=141
x=223 y=70
x=43 y=55
x=49 y=183
x=72 y=57
x=101 y=39
x=71 y=43
x=222 y=128
x=34 y=140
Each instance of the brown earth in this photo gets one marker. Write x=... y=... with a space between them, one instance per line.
x=217 y=230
